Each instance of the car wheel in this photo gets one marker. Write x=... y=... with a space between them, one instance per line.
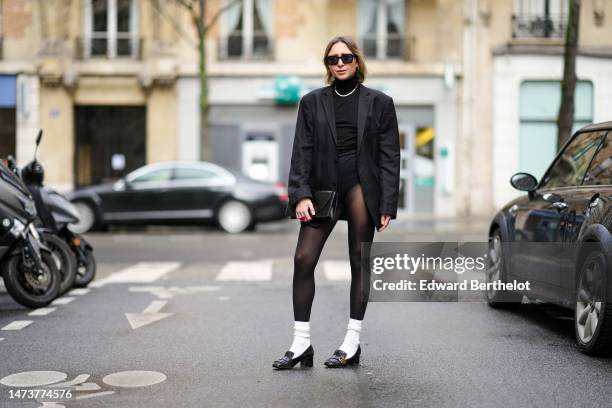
x=593 y=323
x=87 y=218
x=234 y=217
x=496 y=272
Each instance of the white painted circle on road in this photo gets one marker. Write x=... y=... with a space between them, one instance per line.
x=33 y=378
x=134 y=378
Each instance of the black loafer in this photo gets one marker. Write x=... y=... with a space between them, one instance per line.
x=288 y=362
x=338 y=359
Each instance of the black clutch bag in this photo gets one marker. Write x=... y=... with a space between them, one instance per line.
x=324 y=202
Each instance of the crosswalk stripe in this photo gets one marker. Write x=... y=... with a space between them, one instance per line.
x=337 y=270
x=79 y=291
x=246 y=271
x=17 y=325
x=62 y=301
x=142 y=272
x=43 y=311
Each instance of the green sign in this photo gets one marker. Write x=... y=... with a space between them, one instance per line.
x=287 y=89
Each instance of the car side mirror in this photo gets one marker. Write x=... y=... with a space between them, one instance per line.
x=523 y=182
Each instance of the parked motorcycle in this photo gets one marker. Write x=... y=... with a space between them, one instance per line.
x=55 y=213
x=29 y=271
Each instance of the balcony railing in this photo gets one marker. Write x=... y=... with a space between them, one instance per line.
x=538 y=26
x=395 y=44
x=101 y=46
x=231 y=47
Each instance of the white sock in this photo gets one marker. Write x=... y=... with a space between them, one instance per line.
x=351 y=340
x=301 y=338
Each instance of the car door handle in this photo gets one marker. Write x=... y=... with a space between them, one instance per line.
x=559 y=205
x=594 y=201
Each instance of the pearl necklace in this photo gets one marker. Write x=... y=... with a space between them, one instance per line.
x=344 y=96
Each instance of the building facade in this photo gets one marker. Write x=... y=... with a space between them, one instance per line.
x=115 y=85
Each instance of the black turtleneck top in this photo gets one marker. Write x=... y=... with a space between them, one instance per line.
x=346 y=114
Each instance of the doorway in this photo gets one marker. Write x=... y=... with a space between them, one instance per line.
x=110 y=142
x=7 y=132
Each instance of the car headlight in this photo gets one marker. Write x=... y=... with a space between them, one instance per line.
x=18 y=228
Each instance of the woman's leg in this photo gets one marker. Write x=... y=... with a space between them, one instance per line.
x=310 y=243
x=360 y=229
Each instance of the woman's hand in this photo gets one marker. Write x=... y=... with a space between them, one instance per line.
x=304 y=209
x=384 y=220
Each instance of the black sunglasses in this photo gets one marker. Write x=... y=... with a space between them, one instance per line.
x=333 y=59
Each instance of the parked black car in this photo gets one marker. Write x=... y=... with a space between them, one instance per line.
x=181 y=193
x=559 y=238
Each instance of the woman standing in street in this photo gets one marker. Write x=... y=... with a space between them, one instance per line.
x=346 y=140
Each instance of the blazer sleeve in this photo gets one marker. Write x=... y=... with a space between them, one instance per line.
x=389 y=160
x=301 y=157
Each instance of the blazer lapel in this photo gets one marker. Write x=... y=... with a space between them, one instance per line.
x=328 y=107
x=365 y=103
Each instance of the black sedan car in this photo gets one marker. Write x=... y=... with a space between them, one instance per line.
x=558 y=237
x=181 y=193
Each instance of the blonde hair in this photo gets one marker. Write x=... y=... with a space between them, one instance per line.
x=352 y=45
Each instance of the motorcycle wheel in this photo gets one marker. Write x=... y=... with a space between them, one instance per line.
x=64 y=259
x=25 y=287
x=86 y=270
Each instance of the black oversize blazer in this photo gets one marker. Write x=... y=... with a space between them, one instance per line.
x=314 y=160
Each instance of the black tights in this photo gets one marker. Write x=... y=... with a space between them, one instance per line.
x=311 y=239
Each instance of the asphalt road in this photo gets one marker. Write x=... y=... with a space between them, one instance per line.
x=194 y=318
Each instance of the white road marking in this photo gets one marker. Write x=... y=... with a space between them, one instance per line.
x=1 y=338
x=142 y=272
x=33 y=378
x=17 y=325
x=337 y=270
x=155 y=306
x=79 y=379
x=169 y=292
x=43 y=311
x=97 y=394
x=134 y=378
x=62 y=301
x=224 y=298
x=79 y=291
x=246 y=271
x=149 y=315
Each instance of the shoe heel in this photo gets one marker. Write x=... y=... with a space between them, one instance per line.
x=354 y=361
x=307 y=362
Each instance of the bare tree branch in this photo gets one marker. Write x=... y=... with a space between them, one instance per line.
x=215 y=17
x=175 y=24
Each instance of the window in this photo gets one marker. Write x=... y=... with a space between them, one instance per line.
x=157 y=175
x=246 y=30
x=600 y=170
x=381 y=28
x=570 y=167
x=110 y=29
x=538 y=109
x=540 y=18
x=186 y=173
